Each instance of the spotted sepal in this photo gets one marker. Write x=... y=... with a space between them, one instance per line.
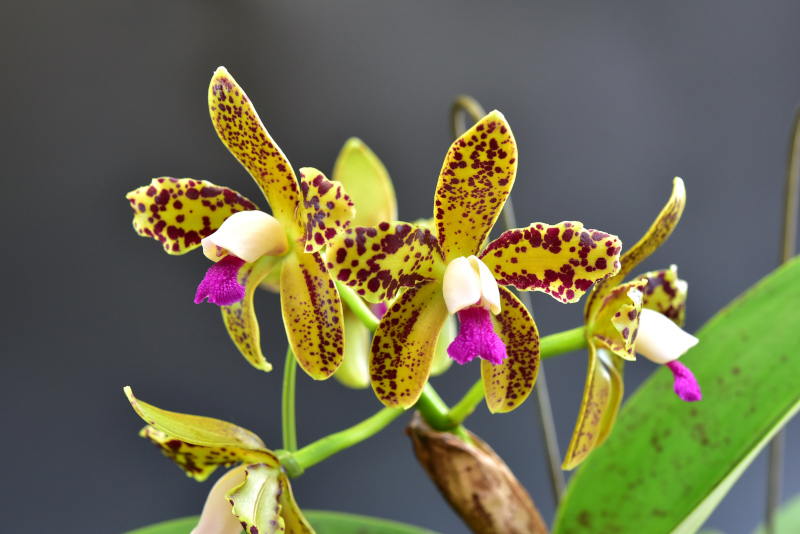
x=326 y=209
x=256 y=502
x=666 y=294
x=367 y=182
x=240 y=318
x=198 y=461
x=377 y=262
x=658 y=232
x=595 y=403
x=179 y=213
x=294 y=520
x=312 y=313
x=508 y=384
x=239 y=127
x=563 y=260
x=403 y=345
x=616 y=324
x=475 y=181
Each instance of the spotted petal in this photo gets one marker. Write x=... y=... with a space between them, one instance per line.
x=312 y=314
x=181 y=212
x=377 y=262
x=256 y=502
x=666 y=294
x=563 y=260
x=241 y=130
x=404 y=343
x=367 y=182
x=475 y=180
x=508 y=384
x=326 y=209
x=659 y=231
x=617 y=322
x=240 y=318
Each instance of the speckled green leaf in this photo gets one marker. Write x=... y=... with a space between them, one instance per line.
x=668 y=463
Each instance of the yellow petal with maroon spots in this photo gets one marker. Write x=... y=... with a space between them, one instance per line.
x=404 y=343
x=666 y=294
x=181 y=212
x=312 y=313
x=199 y=461
x=256 y=502
x=294 y=520
x=377 y=262
x=240 y=318
x=367 y=182
x=241 y=130
x=508 y=384
x=615 y=366
x=476 y=178
x=617 y=322
x=563 y=260
x=658 y=232
x=326 y=209
x=596 y=397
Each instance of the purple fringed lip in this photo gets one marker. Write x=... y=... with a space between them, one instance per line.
x=476 y=337
x=685 y=386
x=221 y=283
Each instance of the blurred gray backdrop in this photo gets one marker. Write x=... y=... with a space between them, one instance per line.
x=607 y=103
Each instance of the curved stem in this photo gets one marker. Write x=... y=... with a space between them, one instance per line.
x=287 y=403
x=358 y=306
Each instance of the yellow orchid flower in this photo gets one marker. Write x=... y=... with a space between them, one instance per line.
x=448 y=271
x=247 y=245
x=644 y=316
x=255 y=496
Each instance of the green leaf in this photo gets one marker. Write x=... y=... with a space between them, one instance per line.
x=668 y=464
x=788 y=520
x=324 y=522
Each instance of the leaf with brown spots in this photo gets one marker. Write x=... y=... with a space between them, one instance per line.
x=181 y=212
x=239 y=127
x=616 y=324
x=475 y=181
x=404 y=343
x=377 y=262
x=658 y=232
x=325 y=211
x=312 y=313
x=508 y=384
x=367 y=182
x=562 y=260
x=240 y=318
x=666 y=293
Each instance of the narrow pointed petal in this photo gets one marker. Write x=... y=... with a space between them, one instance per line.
x=562 y=260
x=294 y=520
x=615 y=367
x=240 y=318
x=377 y=262
x=441 y=360
x=661 y=340
x=596 y=397
x=256 y=502
x=354 y=370
x=616 y=325
x=367 y=182
x=475 y=181
x=658 y=232
x=217 y=517
x=685 y=386
x=312 y=314
x=239 y=127
x=181 y=212
x=403 y=345
x=476 y=338
x=326 y=209
x=666 y=294
x=507 y=385
x=461 y=287
x=248 y=235
x=221 y=284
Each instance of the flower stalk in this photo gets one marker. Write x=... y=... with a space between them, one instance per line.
x=288 y=420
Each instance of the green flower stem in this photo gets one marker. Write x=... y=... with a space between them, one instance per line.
x=358 y=306
x=287 y=403
x=329 y=445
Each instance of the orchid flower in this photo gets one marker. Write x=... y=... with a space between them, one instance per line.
x=449 y=271
x=255 y=496
x=247 y=245
x=644 y=316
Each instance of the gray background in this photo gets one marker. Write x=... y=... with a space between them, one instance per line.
x=607 y=105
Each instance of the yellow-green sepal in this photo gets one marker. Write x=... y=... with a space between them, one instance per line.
x=441 y=360
x=616 y=324
x=179 y=213
x=325 y=211
x=367 y=181
x=354 y=370
x=666 y=294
